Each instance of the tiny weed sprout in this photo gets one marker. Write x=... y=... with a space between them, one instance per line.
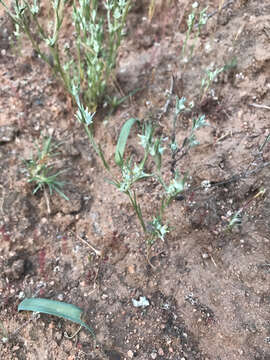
x=208 y=79
x=235 y=220
x=90 y=62
x=178 y=152
x=237 y=217
x=40 y=169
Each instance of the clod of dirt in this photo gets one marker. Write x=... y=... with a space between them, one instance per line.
x=7 y=133
x=261 y=55
x=73 y=206
x=16 y=269
x=131 y=73
x=113 y=355
x=6 y=29
x=19 y=211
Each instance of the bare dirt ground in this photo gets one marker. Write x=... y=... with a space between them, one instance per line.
x=208 y=293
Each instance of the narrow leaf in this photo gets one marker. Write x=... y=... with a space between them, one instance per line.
x=56 y=308
x=122 y=140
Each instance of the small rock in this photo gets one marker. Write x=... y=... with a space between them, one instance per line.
x=131 y=269
x=142 y=302
x=16 y=269
x=7 y=134
x=21 y=295
x=205 y=256
x=58 y=336
x=112 y=354
x=154 y=355
x=132 y=70
x=130 y=354
x=60 y=297
x=72 y=206
x=160 y=352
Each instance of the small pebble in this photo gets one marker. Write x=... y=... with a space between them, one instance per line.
x=58 y=336
x=21 y=295
x=60 y=297
x=205 y=256
x=130 y=354
x=131 y=269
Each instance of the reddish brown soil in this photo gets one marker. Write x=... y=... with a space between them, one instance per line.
x=208 y=291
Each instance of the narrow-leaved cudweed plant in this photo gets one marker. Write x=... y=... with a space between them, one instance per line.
x=89 y=59
x=201 y=18
x=132 y=172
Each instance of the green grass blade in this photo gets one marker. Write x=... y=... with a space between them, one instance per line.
x=56 y=308
x=61 y=193
x=122 y=140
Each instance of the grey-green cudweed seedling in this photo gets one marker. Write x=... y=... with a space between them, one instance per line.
x=178 y=152
x=40 y=169
x=208 y=79
x=132 y=172
x=201 y=18
x=97 y=39
x=236 y=219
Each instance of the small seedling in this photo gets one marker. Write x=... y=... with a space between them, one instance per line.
x=237 y=217
x=235 y=220
x=132 y=172
x=114 y=101
x=201 y=18
x=40 y=169
x=177 y=151
x=208 y=80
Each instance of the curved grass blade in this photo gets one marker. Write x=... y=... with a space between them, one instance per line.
x=56 y=308
x=122 y=140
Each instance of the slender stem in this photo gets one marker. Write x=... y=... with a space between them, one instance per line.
x=91 y=138
x=34 y=43
x=146 y=153
x=137 y=209
x=41 y=31
x=58 y=67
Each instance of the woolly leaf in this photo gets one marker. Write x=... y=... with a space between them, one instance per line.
x=122 y=140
